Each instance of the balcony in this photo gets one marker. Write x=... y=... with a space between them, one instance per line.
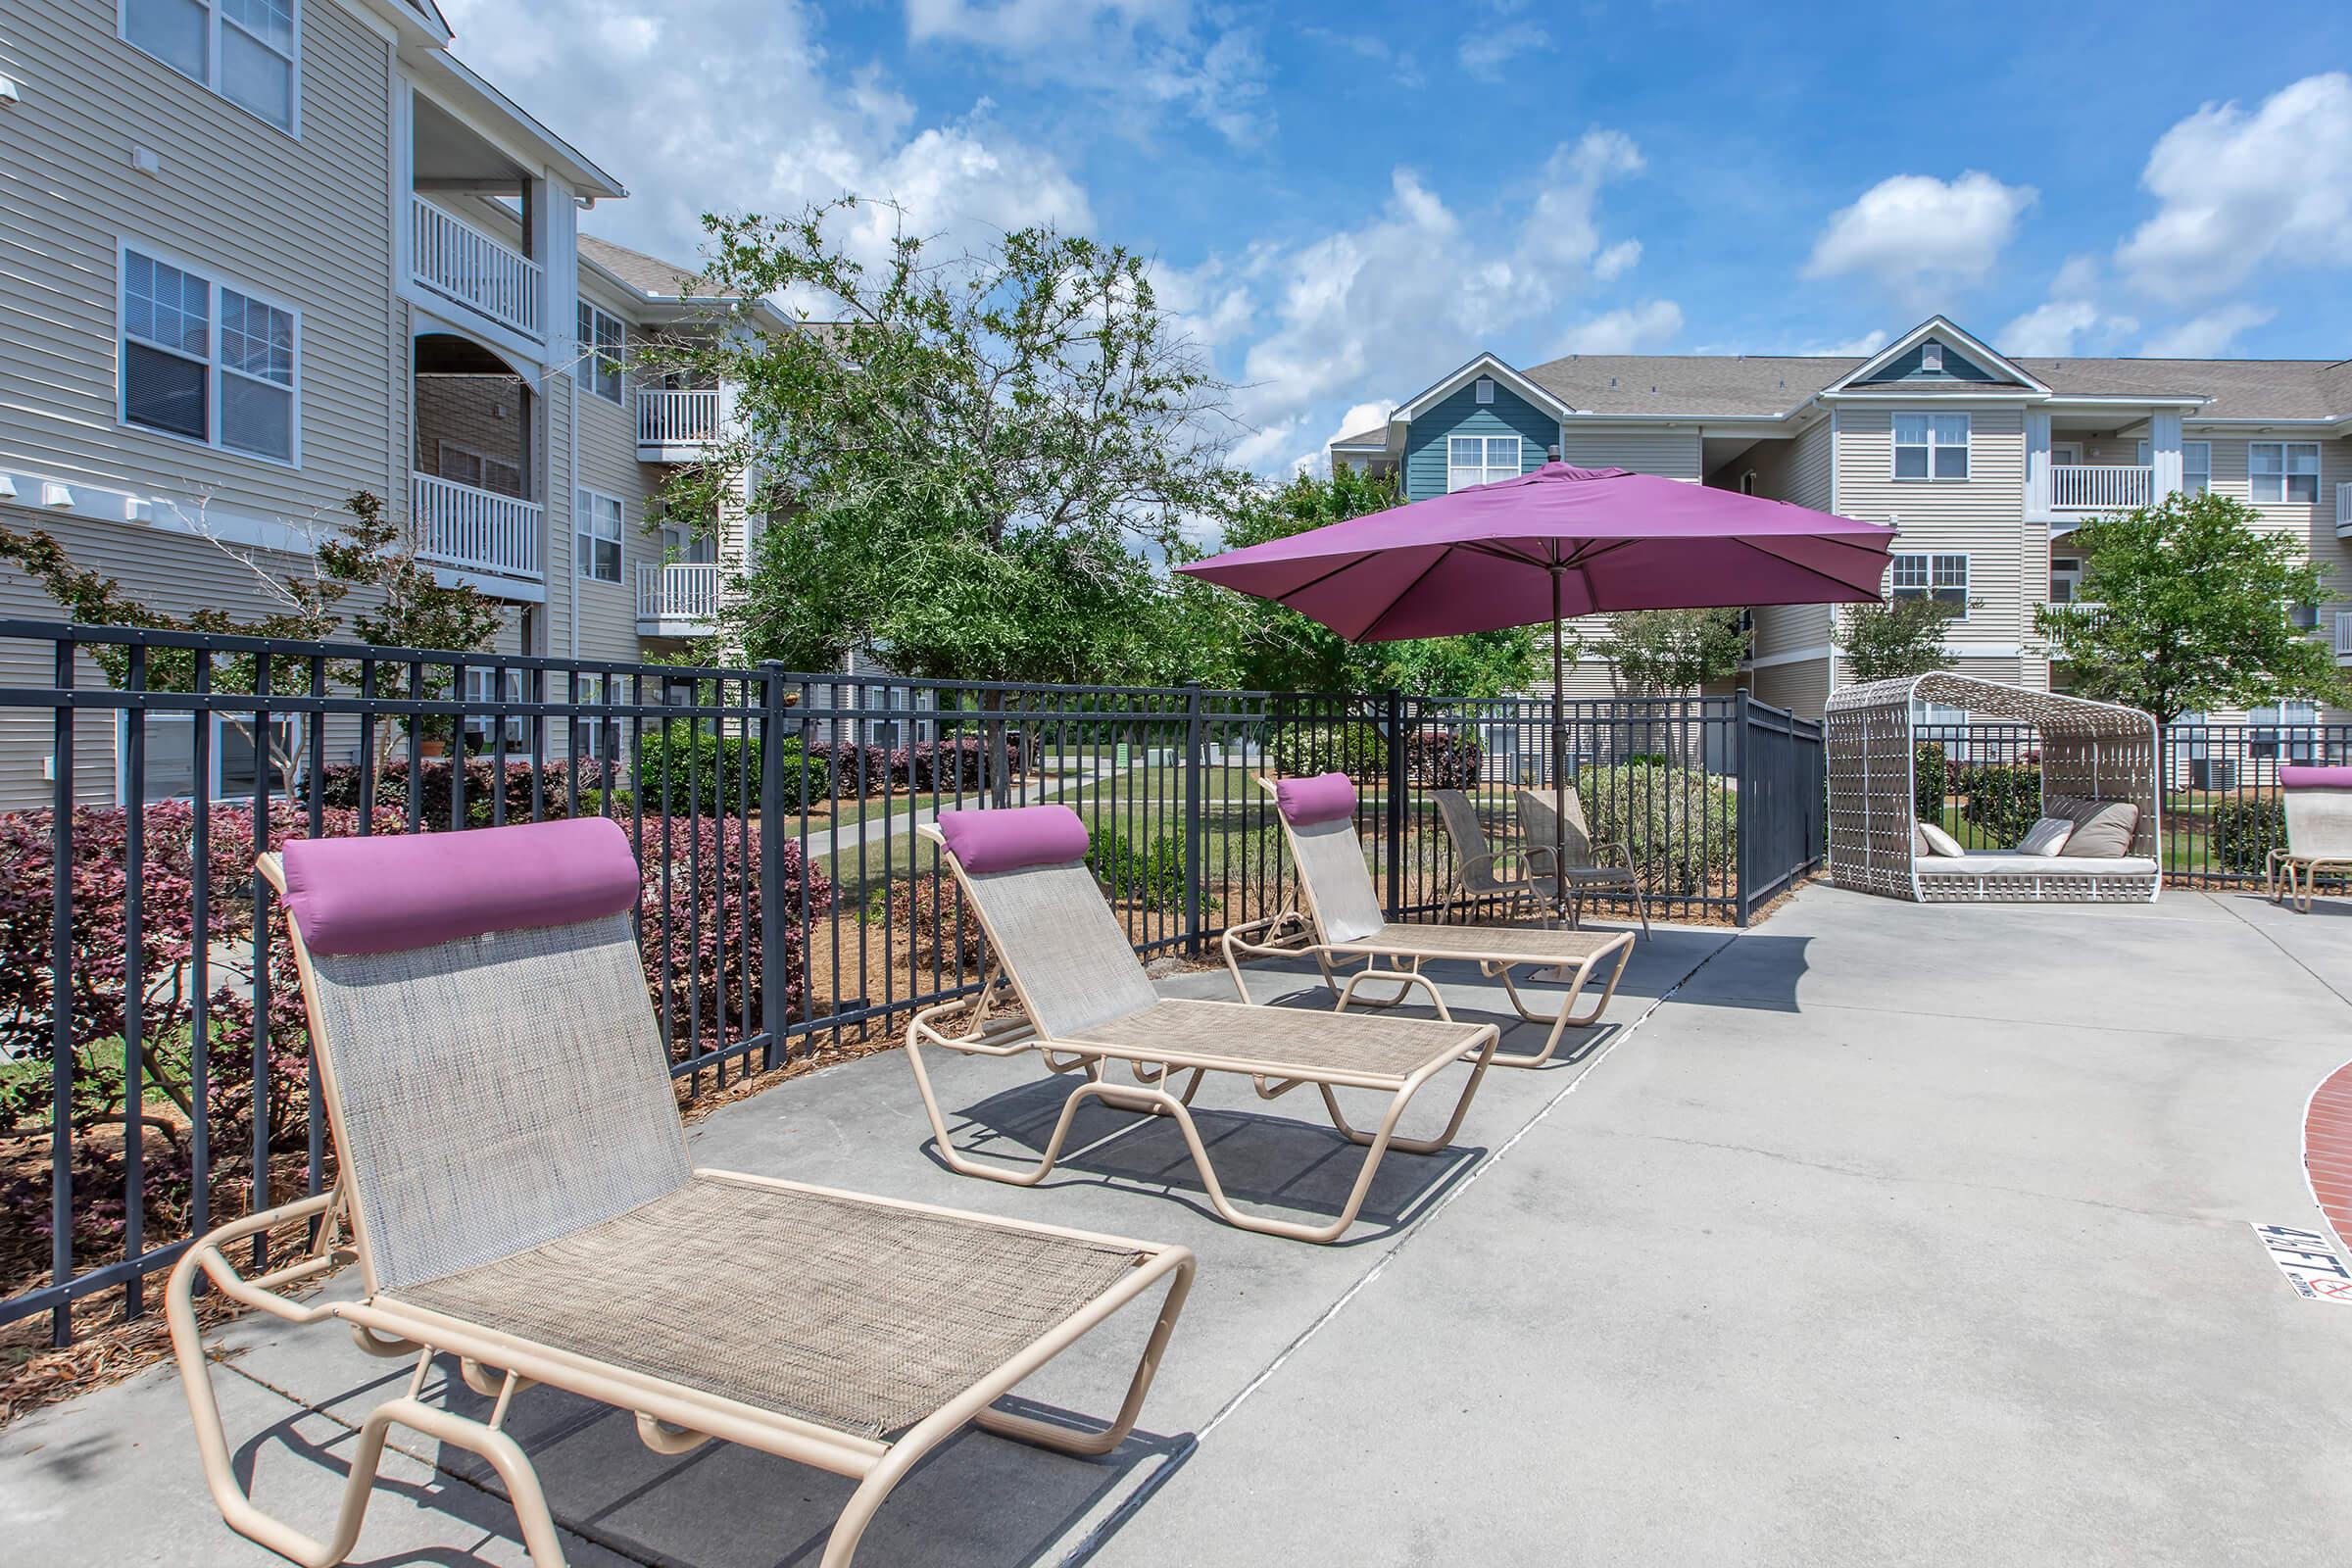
x=2344 y=510
x=2101 y=486
x=459 y=262
x=478 y=530
x=679 y=600
x=2343 y=636
x=676 y=426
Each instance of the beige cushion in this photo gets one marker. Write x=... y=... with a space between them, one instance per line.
x=2010 y=862
x=1918 y=839
x=1941 y=844
x=2102 y=829
x=2047 y=836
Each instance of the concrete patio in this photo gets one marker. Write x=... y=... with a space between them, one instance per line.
x=1882 y=1234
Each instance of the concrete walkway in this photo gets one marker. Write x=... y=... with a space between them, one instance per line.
x=1879 y=1235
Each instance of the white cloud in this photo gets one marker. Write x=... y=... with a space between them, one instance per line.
x=1360 y=417
x=2207 y=336
x=1919 y=236
x=2239 y=191
x=1486 y=48
x=1852 y=348
x=1639 y=329
x=2071 y=319
x=761 y=119
x=1618 y=260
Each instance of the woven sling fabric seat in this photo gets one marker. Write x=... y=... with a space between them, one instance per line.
x=1064 y=985
x=1340 y=923
x=2316 y=802
x=514 y=1189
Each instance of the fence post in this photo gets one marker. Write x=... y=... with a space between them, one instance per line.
x=1195 y=737
x=774 y=985
x=1746 y=816
x=1394 y=702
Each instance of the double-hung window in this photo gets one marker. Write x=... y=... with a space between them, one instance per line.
x=2283 y=473
x=2289 y=732
x=604 y=348
x=206 y=360
x=1930 y=446
x=168 y=769
x=248 y=51
x=2196 y=465
x=597 y=546
x=1922 y=575
x=484 y=686
x=1479 y=459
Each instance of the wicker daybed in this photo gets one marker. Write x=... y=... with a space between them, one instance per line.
x=2091 y=754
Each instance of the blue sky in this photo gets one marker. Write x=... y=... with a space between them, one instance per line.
x=1345 y=201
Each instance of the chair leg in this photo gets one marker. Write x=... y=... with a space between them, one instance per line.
x=1453 y=1125
x=1567 y=1017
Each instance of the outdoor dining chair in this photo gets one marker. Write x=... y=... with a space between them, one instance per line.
x=1484 y=872
x=514 y=1187
x=1587 y=865
x=1340 y=923
x=1079 y=999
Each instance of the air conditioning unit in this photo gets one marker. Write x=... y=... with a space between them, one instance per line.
x=2213 y=773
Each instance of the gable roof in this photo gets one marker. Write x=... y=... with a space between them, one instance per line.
x=1687 y=385
x=1377 y=436
x=1941 y=329
x=2233 y=389
x=649 y=276
x=1488 y=364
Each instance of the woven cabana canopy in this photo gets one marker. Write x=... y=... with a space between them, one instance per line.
x=2095 y=751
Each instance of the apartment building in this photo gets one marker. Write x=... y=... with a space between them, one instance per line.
x=259 y=255
x=1983 y=461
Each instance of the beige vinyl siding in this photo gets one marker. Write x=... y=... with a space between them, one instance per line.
x=305 y=221
x=609 y=463
x=1803 y=686
x=1981 y=516
x=1791 y=629
x=1674 y=453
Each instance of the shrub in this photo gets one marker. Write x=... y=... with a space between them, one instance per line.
x=1680 y=825
x=1443 y=758
x=1930 y=781
x=618 y=803
x=707 y=922
x=1354 y=747
x=701 y=773
x=1153 y=877
x=339 y=787
x=2241 y=833
x=2003 y=799
x=949 y=766
x=931 y=913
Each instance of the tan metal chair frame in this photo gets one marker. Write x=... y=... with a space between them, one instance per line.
x=671 y=1417
x=1574 y=880
x=2280 y=869
x=1152 y=1070
x=1301 y=931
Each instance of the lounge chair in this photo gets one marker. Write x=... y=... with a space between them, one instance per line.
x=1485 y=872
x=1082 y=1003
x=514 y=1189
x=1591 y=866
x=2318 y=806
x=1340 y=924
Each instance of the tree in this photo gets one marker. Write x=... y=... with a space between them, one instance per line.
x=973 y=466
x=1262 y=646
x=2193 y=595
x=1666 y=650
x=1895 y=639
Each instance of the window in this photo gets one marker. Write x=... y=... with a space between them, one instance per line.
x=597 y=548
x=482 y=686
x=1931 y=356
x=2196 y=467
x=2283 y=473
x=464 y=466
x=1930 y=446
x=1485 y=389
x=588 y=729
x=1942 y=578
x=233 y=387
x=604 y=345
x=230 y=772
x=1479 y=459
x=2289 y=732
x=246 y=51
x=2065 y=579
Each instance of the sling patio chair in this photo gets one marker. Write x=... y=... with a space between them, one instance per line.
x=514 y=1186
x=1340 y=924
x=1080 y=999
x=1590 y=865
x=2317 y=804
x=1485 y=871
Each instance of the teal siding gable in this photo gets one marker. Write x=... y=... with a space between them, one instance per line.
x=1461 y=413
x=1957 y=366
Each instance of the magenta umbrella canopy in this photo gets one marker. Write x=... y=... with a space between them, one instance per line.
x=1488 y=557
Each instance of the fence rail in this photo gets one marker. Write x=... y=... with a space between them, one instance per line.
x=154 y=1067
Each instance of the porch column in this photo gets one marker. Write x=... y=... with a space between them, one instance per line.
x=2037 y=465
x=2164 y=454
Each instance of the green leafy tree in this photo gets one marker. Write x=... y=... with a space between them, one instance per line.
x=973 y=466
x=1665 y=651
x=2193 y=595
x=1895 y=639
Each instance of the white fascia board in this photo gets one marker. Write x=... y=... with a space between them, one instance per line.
x=1939 y=327
x=1483 y=363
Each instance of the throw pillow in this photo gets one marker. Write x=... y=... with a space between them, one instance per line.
x=2047 y=836
x=1940 y=843
x=2102 y=830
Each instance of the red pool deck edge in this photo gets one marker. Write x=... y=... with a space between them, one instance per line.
x=2328 y=1149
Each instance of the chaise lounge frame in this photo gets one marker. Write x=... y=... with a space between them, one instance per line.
x=2318 y=816
x=672 y=1416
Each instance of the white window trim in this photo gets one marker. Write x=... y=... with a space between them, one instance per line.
x=215 y=281
x=1482 y=390
x=1968 y=428
x=1931 y=356
x=298 y=744
x=1486 y=465
x=2286 y=451
x=1931 y=556
x=620 y=395
x=584 y=526
x=213 y=22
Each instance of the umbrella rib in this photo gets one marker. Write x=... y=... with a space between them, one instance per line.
x=1811 y=571
x=1399 y=597
x=1318 y=581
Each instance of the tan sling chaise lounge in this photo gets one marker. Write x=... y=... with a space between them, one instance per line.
x=1083 y=1004
x=514 y=1189
x=1341 y=924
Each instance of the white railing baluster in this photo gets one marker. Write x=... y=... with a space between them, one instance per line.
x=676 y=418
x=453 y=258
x=683 y=590
x=2101 y=486
x=476 y=529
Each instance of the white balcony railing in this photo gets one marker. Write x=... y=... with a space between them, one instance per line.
x=2343 y=633
x=2101 y=486
x=675 y=420
x=452 y=257
x=682 y=591
x=479 y=530
x=2343 y=508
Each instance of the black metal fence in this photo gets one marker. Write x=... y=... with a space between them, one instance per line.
x=154 y=1060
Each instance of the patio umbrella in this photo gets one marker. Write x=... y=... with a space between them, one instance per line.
x=1557 y=543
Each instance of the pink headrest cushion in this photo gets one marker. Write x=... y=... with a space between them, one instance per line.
x=394 y=892
x=2298 y=777
x=1006 y=840
x=1325 y=798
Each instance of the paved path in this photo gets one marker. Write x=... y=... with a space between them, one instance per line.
x=1879 y=1235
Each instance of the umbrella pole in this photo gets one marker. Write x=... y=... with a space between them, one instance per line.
x=1559 y=760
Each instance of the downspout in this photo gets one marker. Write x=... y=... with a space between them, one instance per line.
x=572 y=499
